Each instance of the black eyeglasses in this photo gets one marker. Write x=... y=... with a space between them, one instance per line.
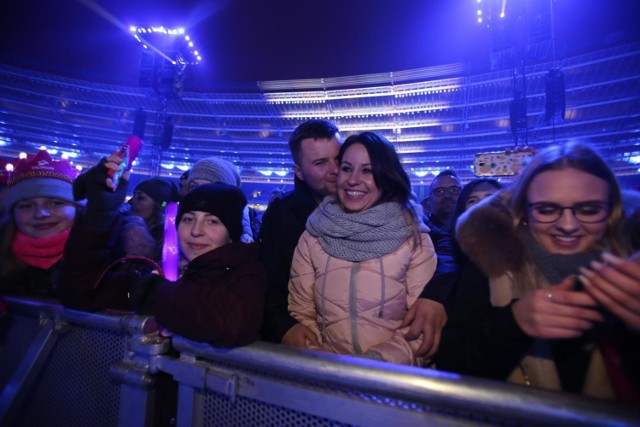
x=585 y=212
x=453 y=191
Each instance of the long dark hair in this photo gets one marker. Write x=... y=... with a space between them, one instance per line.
x=388 y=174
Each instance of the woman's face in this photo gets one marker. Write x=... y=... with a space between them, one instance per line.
x=201 y=232
x=142 y=205
x=567 y=188
x=41 y=217
x=357 y=189
x=479 y=193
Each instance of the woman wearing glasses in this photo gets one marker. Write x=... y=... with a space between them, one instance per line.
x=561 y=306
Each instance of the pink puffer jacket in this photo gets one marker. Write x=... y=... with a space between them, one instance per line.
x=358 y=307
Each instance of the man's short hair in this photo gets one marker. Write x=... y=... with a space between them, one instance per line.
x=316 y=129
x=446 y=172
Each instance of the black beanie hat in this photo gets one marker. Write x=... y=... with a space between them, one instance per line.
x=159 y=189
x=224 y=201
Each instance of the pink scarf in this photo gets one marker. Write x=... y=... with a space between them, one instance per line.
x=40 y=253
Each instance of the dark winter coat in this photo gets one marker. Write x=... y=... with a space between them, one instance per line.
x=23 y=279
x=26 y=280
x=483 y=338
x=282 y=225
x=219 y=298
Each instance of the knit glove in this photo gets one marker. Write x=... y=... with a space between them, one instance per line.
x=102 y=203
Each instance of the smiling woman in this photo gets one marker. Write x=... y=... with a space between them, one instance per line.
x=209 y=217
x=219 y=297
x=41 y=212
x=559 y=307
x=364 y=258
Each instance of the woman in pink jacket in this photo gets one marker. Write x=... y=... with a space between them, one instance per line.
x=364 y=257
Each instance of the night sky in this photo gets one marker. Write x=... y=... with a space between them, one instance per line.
x=244 y=41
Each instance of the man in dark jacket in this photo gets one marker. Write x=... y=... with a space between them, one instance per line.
x=314 y=146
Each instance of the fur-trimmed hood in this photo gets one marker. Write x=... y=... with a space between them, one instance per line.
x=487 y=234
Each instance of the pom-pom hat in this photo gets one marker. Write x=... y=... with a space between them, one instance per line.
x=224 y=201
x=41 y=176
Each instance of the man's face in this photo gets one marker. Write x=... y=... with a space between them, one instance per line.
x=319 y=165
x=444 y=195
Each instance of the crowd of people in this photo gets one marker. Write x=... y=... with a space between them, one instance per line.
x=535 y=283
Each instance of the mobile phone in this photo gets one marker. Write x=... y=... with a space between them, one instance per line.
x=501 y=163
x=128 y=153
x=116 y=175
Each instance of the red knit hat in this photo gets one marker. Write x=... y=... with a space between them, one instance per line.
x=41 y=176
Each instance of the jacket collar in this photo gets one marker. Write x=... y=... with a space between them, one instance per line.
x=304 y=196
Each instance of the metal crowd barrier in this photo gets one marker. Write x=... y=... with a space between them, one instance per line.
x=63 y=367
x=68 y=368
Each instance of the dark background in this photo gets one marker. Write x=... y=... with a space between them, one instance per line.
x=253 y=40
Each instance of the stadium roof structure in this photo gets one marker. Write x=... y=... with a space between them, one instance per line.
x=246 y=41
x=438 y=115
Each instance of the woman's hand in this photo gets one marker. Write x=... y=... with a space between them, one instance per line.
x=96 y=185
x=113 y=163
x=557 y=312
x=615 y=283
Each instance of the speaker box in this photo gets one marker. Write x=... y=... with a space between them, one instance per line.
x=518 y=114
x=554 y=95
x=167 y=134
x=140 y=123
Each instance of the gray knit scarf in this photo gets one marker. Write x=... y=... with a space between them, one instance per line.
x=556 y=267
x=359 y=236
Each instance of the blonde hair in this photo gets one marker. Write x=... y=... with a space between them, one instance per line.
x=583 y=157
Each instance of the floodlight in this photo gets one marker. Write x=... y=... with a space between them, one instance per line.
x=168 y=43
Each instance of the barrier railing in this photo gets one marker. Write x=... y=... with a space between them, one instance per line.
x=63 y=367
x=274 y=385
x=68 y=368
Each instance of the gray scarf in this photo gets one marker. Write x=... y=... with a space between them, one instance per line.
x=359 y=236
x=556 y=267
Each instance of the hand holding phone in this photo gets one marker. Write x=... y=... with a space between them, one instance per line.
x=127 y=153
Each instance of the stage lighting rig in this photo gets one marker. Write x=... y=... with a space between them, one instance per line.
x=489 y=10
x=174 y=45
x=166 y=55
